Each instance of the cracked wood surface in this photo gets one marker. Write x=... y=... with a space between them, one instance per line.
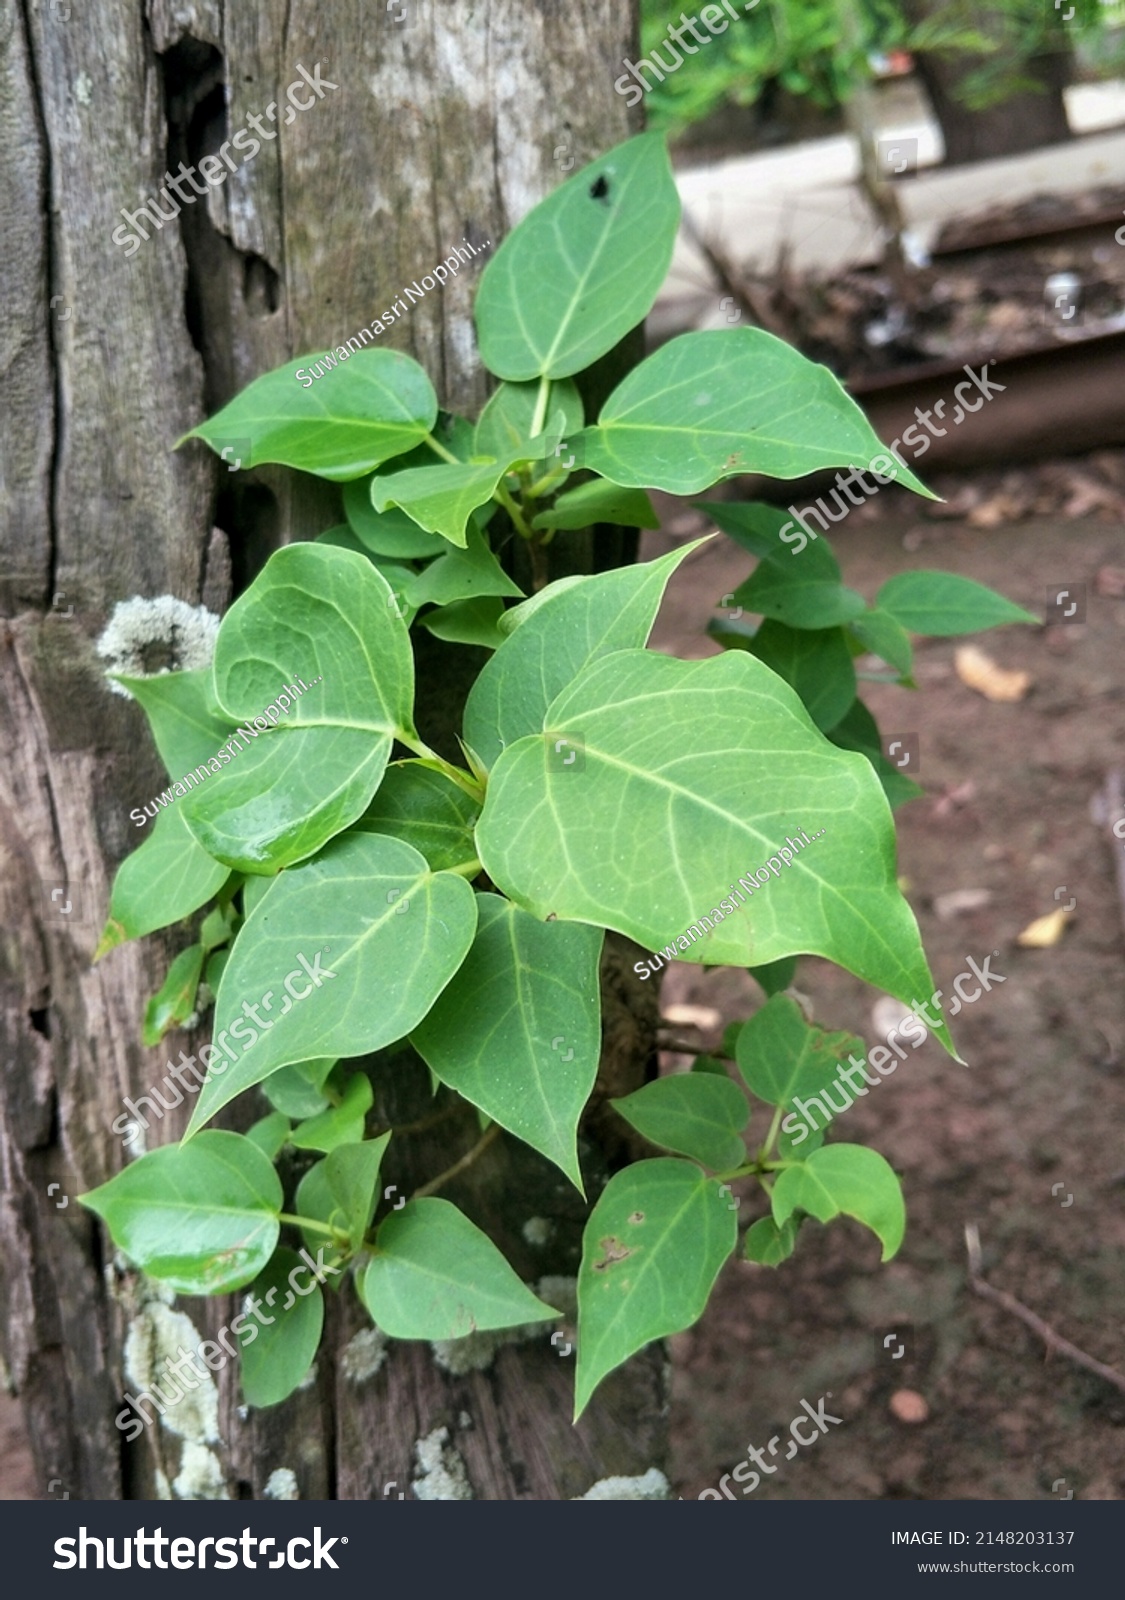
x=437 y=131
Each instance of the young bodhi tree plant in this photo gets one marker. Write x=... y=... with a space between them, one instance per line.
x=363 y=902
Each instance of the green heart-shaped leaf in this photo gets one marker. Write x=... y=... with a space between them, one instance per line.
x=277 y=1360
x=202 y=1218
x=343 y=906
x=712 y=405
x=651 y=1252
x=769 y=1245
x=783 y=1058
x=561 y=630
x=324 y=622
x=435 y=1275
x=700 y=1115
x=847 y=1178
x=606 y=237
x=704 y=768
x=376 y=404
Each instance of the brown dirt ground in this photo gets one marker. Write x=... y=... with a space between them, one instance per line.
x=1042 y=1101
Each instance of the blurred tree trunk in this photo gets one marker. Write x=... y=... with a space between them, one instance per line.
x=443 y=123
x=1026 y=120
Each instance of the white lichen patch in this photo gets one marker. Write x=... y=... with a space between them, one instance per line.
x=281 y=1484
x=82 y=86
x=537 y=1231
x=562 y=1293
x=156 y=1338
x=442 y=1474
x=200 y=1476
x=477 y=1351
x=362 y=1356
x=189 y=632
x=651 y=1485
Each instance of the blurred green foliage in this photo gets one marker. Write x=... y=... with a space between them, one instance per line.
x=824 y=49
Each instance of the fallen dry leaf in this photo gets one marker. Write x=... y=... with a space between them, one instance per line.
x=956 y=901
x=1045 y=931
x=981 y=673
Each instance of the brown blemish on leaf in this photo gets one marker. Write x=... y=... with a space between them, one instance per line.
x=612 y=1250
x=637 y=1216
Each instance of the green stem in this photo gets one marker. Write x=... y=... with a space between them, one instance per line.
x=544 y=485
x=430 y=758
x=466 y=869
x=446 y=455
x=518 y=522
x=310 y=1223
x=764 y=1152
x=540 y=415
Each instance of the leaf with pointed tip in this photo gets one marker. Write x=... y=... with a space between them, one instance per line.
x=651 y=1252
x=881 y=634
x=276 y=1362
x=377 y=404
x=582 y=268
x=848 y=1179
x=518 y=1030
x=344 y=904
x=461 y=575
x=325 y=616
x=425 y=809
x=435 y=1275
x=164 y=880
x=174 y=1001
x=711 y=405
x=202 y=1218
x=352 y=1173
x=704 y=767
x=942 y=604
x=698 y=1116
x=562 y=631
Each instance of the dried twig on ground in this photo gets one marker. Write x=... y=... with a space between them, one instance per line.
x=1008 y=1302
